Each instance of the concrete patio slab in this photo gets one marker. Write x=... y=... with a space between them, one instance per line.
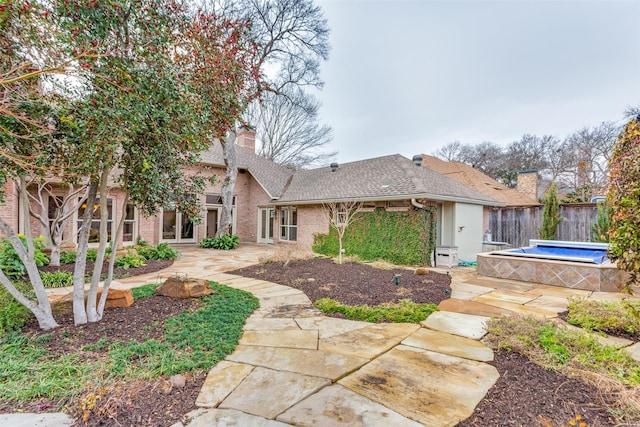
x=452 y=345
x=464 y=325
x=338 y=406
x=267 y=393
x=306 y=362
x=36 y=420
x=446 y=391
x=221 y=380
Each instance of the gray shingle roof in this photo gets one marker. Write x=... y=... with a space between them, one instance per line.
x=380 y=178
x=271 y=176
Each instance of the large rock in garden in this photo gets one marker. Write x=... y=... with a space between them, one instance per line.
x=180 y=287
x=117 y=298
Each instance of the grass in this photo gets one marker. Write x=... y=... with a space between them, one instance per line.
x=403 y=312
x=611 y=317
x=575 y=353
x=195 y=339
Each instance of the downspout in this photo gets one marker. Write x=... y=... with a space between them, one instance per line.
x=415 y=203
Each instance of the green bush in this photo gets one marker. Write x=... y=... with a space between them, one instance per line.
x=68 y=257
x=161 y=252
x=223 y=242
x=57 y=279
x=10 y=262
x=406 y=238
x=130 y=260
x=92 y=254
x=13 y=315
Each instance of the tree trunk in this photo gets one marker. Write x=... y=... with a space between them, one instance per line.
x=42 y=309
x=92 y=312
x=79 y=312
x=228 y=185
x=112 y=259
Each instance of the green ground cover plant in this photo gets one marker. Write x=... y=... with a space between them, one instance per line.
x=160 y=252
x=610 y=317
x=404 y=312
x=57 y=279
x=10 y=262
x=195 y=339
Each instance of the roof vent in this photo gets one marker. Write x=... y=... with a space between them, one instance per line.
x=417 y=160
x=334 y=167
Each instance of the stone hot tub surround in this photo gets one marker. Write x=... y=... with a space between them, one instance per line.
x=577 y=275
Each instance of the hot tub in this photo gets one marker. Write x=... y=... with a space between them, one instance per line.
x=579 y=265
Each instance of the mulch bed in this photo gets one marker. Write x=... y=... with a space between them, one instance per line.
x=523 y=394
x=353 y=283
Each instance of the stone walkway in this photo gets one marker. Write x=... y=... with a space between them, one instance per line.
x=294 y=366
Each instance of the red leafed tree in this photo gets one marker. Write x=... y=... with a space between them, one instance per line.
x=223 y=60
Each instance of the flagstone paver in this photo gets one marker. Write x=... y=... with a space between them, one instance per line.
x=498 y=301
x=446 y=390
x=368 y=342
x=330 y=326
x=286 y=338
x=338 y=406
x=452 y=345
x=36 y=420
x=464 y=291
x=220 y=382
x=473 y=307
x=307 y=362
x=259 y=323
x=267 y=392
x=464 y=325
x=548 y=302
x=226 y=418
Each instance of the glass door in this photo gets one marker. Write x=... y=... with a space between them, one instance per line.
x=266 y=222
x=176 y=227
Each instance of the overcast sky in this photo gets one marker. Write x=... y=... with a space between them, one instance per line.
x=411 y=76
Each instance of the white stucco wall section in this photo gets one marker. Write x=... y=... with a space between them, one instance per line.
x=462 y=227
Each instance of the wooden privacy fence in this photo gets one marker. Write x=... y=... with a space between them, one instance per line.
x=516 y=226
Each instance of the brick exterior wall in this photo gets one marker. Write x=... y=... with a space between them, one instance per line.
x=311 y=220
x=9 y=209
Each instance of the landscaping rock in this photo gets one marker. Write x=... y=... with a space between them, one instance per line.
x=178 y=381
x=179 y=287
x=117 y=298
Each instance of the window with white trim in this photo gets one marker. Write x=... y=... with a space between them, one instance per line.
x=341 y=215
x=289 y=223
x=130 y=226
x=94 y=231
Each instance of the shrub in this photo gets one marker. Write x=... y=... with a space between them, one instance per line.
x=10 y=262
x=57 y=279
x=68 y=257
x=223 y=242
x=130 y=260
x=551 y=214
x=161 y=252
x=92 y=254
x=13 y=315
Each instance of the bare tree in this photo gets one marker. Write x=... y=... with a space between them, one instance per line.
x=288 y=130
x=341 y=215
x=590 y=150
x=450 y=152
x=292 y=37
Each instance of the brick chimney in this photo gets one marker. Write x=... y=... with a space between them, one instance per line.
x=528 y=183
x=247 y=138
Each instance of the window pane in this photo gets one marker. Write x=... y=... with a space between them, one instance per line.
x=130 y=212
x=169 y=224
x=293 y=233
x=186 y=232
x=127 y=231
x=294 y=216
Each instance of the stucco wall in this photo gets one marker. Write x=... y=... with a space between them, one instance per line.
x=468 y=230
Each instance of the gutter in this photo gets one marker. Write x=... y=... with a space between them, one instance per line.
x=433 y=197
